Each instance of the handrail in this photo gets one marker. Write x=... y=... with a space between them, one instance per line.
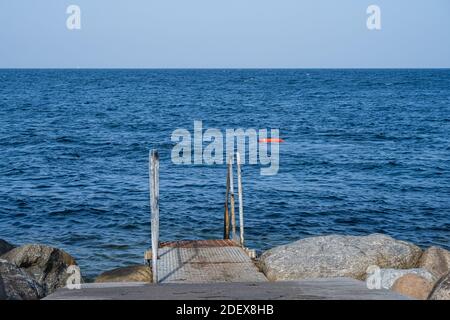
x=229 y=195
x=240 y=196
x=233 y=216
x=226 y=217
x=154 y=205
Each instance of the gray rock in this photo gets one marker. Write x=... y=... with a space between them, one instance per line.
x=46 y=264
x=5 y=246
x=389 y=276
x=139 y=273
x=16 y=284
x=441 y=290
x=436 y=260
x=337 y=256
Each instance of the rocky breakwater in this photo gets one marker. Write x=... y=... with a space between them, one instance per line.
x=378 y=259
x=32 y=271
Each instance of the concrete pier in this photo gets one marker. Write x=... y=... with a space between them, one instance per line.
x=315 y=289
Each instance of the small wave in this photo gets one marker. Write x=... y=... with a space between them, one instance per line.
x=64 y=139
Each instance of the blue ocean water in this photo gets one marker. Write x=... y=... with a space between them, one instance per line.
x=365 y=151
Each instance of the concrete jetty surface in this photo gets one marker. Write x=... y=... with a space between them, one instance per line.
x=315 y=289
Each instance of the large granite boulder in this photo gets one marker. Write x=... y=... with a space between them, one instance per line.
x=337 y=256
x=16 y=284
x=436 y=260
x=139 y=273
x=413 y=286
x=5 y=246
x=441 y=290
x=47 y=265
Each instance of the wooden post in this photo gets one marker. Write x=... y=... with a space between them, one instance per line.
x=233 y=215
x=154 y=205
x=226 y=218
x=241 y=205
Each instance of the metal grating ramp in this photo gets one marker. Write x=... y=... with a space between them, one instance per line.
x=206 y=262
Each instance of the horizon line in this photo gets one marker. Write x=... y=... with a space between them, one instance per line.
x=225 y=68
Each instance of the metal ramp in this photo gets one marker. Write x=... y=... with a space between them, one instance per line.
x=208 y=261
x=204 y=261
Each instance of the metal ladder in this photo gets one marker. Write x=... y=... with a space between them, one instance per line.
x=229 y=222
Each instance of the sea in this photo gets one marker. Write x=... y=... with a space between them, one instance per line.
x=363 y=151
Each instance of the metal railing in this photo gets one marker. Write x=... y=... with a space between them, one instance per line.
x=154 y=205
x=229 y=200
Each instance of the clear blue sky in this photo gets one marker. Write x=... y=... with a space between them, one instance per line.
x=224 y=33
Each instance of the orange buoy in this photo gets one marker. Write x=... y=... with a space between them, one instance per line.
x=271 y=140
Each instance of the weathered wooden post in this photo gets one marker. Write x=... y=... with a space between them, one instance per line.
x=226 y=218
x=241 y=205
x=154 y=205
x=233 y=215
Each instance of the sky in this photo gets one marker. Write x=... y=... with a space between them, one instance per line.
x=225 y=34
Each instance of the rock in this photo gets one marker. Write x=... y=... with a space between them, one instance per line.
x=337 y=256
x=389 y=276
x=3 y=295
x=413 y=285
x=16 y=284
x=46 y=264
x=5 y=246
x=441 y=290
x=139 y=273
x=436 y=260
